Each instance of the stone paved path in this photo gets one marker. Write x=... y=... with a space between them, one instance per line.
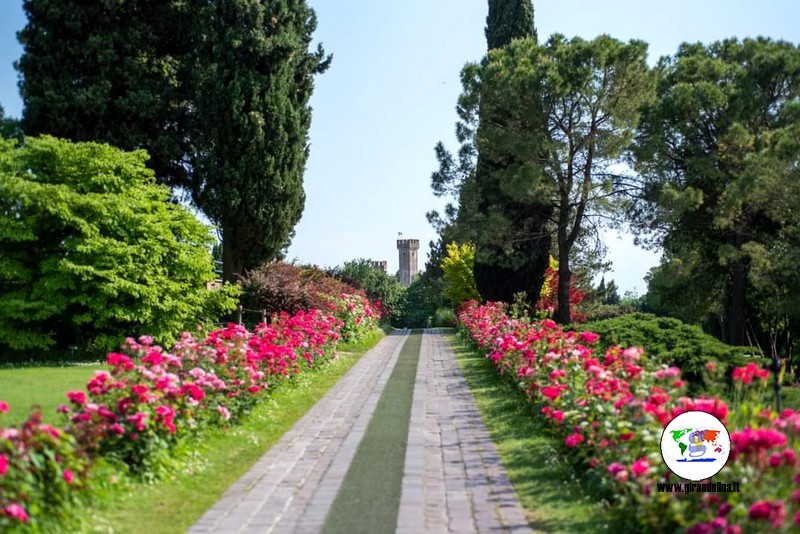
x=453 y=479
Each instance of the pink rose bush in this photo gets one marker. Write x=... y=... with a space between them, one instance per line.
x=610 y=410
x=41 y=468
x=357 y=314
x=152 y=402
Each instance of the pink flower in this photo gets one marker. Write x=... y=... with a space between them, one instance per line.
x=15 y=511
x=78 y=397
x=558 y=373
x=588 y=337
x=3 y=465
x=700 y=528
x=640 y=467
x=573 y=440
x=773 y=512
x=668 y=373
x=69 y=477
x=618 y=472
x=253 y=389
x=224 y=412
x=558 y=415
x=710 y=366
x=551 y=392
x=3 y=406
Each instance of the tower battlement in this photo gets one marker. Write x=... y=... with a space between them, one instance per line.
x=412 y=244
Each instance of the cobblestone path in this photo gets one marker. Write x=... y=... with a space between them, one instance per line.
x=453 y=480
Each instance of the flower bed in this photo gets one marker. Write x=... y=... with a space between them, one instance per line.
x=611 y=409
x=148 y=405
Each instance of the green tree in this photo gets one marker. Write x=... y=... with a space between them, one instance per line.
x=91 y=250
x=8 y=127
x=378 y=285
x=216 y=92
x=512 y=242
x=113 y=72
x=557 y=118
x=712 y=153
x=254 y=77
x=508 y=20
x=458 y=268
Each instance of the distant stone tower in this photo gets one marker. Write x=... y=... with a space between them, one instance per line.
x=409 y=264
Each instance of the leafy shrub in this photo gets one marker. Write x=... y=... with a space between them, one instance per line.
x=381 y=288
x=671 y=342
x=358 y=318
x=91 y=248
x=420 y=302
x=458 y=272
x=444 y=318
x=282 y=287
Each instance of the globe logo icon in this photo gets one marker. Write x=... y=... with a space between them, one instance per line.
x=695 y=445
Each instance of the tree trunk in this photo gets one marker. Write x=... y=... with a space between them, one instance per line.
x=736 y=316
x=563 y=312
x=232 y=254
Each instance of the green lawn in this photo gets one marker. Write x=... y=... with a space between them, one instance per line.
x=548 y=488
x=43 y=386
x=173 y=505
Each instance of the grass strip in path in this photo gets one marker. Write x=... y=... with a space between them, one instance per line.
x=369 y=497
x=173 y=505
x=553 y=498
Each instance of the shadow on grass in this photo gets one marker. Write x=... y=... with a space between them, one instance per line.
x=554 y=498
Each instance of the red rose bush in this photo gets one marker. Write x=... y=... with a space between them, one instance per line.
x=611 y=409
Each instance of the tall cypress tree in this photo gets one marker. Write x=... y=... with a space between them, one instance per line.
x=512 y=237
x=254 y=77
x=507 y=20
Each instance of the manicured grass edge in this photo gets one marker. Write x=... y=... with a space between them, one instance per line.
x=174 y=504
x=548 y=489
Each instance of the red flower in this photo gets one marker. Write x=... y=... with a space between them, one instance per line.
x=773 y=512
x=69 y=477
x=3 y=406
x=3 y=465
x=78 y=397
x=551 y=392
x=588 y=337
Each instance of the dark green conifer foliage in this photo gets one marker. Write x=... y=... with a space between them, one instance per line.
x=507 y=20
x=254 y=78
x=109 y=71
x=216 y=92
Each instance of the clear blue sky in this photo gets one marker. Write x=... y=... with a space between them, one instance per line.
x=391 y=91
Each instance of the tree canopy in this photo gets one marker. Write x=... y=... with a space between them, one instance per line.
x=92 y=250
x=717 y=154
x=508 y=20
x=216 y=92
